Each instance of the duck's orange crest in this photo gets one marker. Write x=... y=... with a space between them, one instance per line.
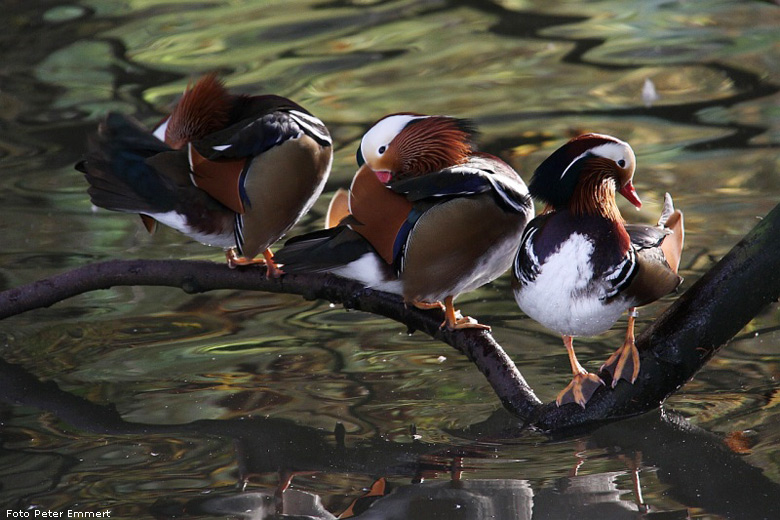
x=432 y=144
x=203 y=109
x=595 y=191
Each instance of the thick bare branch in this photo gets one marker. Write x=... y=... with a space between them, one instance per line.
x=672 y=350
x=200 y=276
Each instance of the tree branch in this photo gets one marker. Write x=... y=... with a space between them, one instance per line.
x=200 y=276
x=672 y=350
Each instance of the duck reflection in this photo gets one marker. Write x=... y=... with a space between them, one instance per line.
x=695 y=465
x=294 y=504
x=594 y=497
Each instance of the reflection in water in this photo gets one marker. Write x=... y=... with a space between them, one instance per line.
x=695 y=465
x=165 y=401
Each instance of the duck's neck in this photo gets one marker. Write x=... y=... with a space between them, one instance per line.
x=595 y=195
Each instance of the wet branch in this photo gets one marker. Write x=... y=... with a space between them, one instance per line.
x=201 y=276
x=672 y=349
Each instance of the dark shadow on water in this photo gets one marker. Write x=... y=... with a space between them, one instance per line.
x=695 y=464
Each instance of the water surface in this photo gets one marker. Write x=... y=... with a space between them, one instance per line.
x=164 y=401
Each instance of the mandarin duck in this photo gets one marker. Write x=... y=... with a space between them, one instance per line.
x=579 y=266
x=233 y=171
x=427 y=217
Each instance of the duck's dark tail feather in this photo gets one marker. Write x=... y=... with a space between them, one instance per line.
x=323 y=250
x=116 y=167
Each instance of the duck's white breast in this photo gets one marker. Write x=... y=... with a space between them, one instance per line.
x=564 y=297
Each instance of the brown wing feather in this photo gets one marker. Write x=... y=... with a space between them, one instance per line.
x=654 y=279
x=657 y=275
x=220 y=179
x=379 y=212
x=149 y=223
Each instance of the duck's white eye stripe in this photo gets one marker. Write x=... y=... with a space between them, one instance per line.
x=580 y=156
x=615 y=151
x=382 y=133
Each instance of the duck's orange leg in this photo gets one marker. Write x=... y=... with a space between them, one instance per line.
x=582 y=385
x=633 y=464
x=272 y=270
x=624 y=363
x=454 y=320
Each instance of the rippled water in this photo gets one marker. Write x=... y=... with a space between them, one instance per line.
x=163 y=401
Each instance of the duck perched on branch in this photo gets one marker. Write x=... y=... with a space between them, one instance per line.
x=580 y=266
x=228 y=170
x=426 y=217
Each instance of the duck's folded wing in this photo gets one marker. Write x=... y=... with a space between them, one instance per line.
x=645 y=237
x=252 y=137
x=123 y=173
x=477 y=176
x=652 y=277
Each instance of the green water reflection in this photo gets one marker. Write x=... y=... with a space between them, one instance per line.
x=530 y=73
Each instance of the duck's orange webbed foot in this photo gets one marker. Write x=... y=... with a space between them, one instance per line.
x=272 y=270
x=624 y=363
x=580 y=389
x=583 y=384
x=427 y=306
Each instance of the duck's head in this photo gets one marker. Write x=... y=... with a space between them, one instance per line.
x=406 y=145
x=203 y=109
x=584 y=174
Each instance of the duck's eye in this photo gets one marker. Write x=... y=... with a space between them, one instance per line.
x=382 y=149
x=622 y=163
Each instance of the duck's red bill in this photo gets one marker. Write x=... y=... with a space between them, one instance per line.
x=630 y=194
x=383 y=176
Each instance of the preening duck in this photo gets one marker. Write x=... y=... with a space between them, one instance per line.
x=232 y=171
x=426 y=217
